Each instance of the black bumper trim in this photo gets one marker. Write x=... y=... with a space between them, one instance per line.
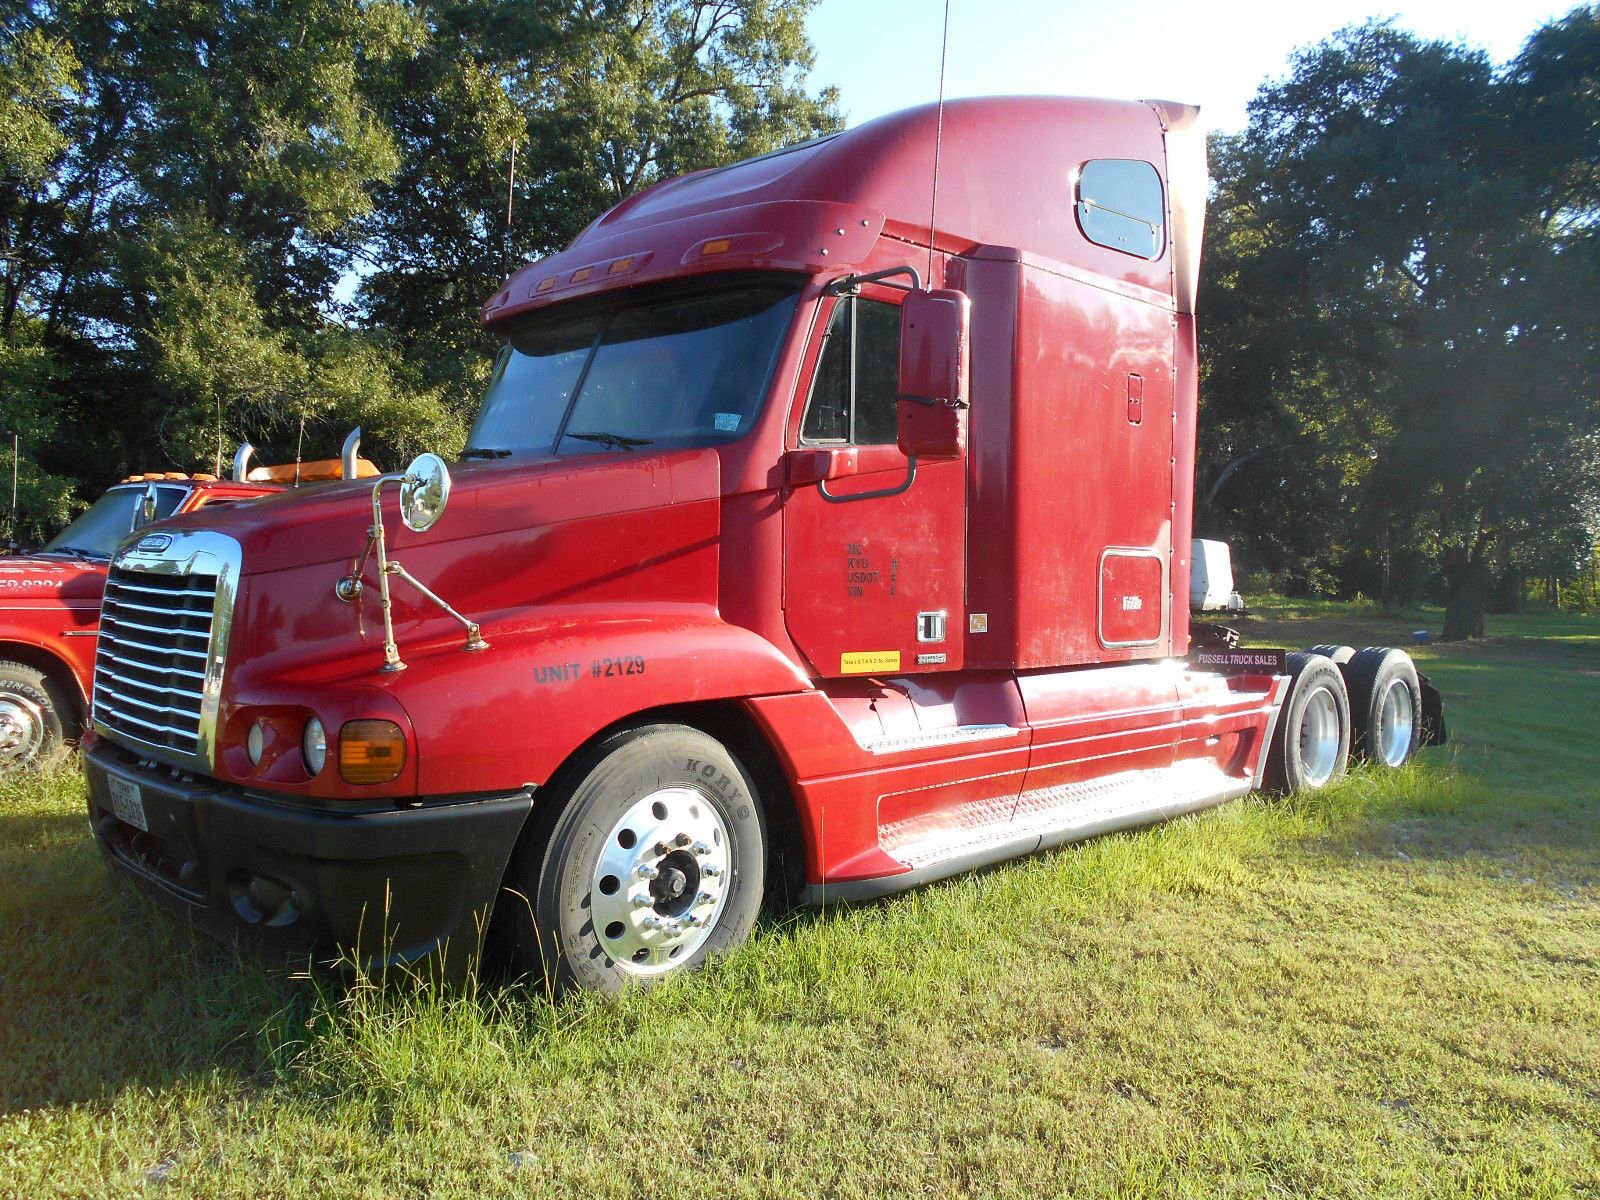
x=381 y=886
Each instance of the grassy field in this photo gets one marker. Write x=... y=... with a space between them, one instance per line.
x=1391 y=989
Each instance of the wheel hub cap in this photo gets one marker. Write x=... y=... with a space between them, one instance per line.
x=1319 y=737
x=22 y=730
x=660 y=883
x=1396 y=720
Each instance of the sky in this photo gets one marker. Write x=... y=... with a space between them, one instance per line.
x=883 y=55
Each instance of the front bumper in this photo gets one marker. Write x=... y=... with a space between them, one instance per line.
x=378 y=886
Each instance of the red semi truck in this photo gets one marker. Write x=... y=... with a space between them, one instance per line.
x=810 y=542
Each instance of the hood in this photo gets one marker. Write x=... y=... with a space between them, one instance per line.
x=28 y=578
x=329 y=524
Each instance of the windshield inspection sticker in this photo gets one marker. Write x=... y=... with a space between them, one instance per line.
x=726 y=422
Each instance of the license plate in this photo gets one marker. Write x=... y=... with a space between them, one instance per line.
x=126 y=802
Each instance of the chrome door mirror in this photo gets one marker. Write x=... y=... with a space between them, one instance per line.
x=147 y=507
x=424 y=492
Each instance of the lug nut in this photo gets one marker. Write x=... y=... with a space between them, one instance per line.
x=704 y=898
x=711 y=869
x=701 y=849
x=662 y=850
x=652 y=922
x=646 y=871
x=683 y=839
x=643 y=901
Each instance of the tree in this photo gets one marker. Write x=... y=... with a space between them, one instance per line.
x=599 y=100
x=1425 y=260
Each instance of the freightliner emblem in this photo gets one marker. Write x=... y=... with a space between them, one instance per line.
x=153 y=543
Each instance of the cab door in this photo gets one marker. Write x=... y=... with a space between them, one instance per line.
x=874 y=562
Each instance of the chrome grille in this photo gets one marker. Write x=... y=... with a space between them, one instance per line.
x=150 y=668
x=164 y=624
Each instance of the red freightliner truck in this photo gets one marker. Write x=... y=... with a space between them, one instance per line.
x=811 y=541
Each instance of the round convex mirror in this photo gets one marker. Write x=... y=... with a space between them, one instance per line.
x=424 y=492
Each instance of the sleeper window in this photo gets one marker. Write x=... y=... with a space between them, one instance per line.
x=1120 y=206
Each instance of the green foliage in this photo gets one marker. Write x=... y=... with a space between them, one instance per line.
x=191 y=190
x=599 y=101
x=1403 y=353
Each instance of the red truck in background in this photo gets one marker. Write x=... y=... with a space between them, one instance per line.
x=806 y=544
x=50 y=608
x=50 y=599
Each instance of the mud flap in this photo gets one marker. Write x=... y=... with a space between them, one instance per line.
x=1434 y=732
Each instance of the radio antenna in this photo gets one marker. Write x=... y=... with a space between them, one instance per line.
x=299 y=441
x=16 y=454
x=938 y=138
x=511 y=195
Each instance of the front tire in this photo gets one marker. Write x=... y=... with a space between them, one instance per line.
x=1311 y=744
x=36 y=716
x=653 y=860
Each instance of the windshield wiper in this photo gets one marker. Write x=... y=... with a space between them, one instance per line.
x=485 y=452
x=77 y=550
x=612 y=441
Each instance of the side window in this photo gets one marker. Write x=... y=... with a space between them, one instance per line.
x=1120 y=206
x=853 y=393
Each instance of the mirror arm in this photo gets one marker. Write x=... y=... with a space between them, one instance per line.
x=833 y=498
x=850 y=284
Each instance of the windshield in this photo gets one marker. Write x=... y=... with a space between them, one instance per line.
x=672 y=370
x=108 y=520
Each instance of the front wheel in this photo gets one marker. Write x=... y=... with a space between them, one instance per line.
x=1311 y=744
x=652 y=861
x=36 y=716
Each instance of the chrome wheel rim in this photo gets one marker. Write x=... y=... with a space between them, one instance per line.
x=1397 y=718
x=1319 y=737
x=661 y=881
x=22 y=729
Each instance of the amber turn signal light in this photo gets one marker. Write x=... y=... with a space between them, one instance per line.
x=371 y=751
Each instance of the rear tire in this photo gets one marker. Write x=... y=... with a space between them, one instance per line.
x=37 y=716
x=1311 y=744
x=1386 y=705
x=652 y=859
x=1339 y=654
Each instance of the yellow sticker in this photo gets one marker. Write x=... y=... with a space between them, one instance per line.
x=865 y=662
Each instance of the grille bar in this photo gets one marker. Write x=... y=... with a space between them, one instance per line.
x=151 y=665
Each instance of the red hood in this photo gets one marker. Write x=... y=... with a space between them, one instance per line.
x=26 y=579
x=329 y=523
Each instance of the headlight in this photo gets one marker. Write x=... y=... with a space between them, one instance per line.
x=371 y=751
x=255 y=741
x=314 y=746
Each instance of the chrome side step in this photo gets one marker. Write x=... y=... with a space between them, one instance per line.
x=983 y=833
x=954 y=735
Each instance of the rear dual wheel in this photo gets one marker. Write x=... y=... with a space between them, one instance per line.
x=1386 y=702
x=651 y=861
x=1311 y=743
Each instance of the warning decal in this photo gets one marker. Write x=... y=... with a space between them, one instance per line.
x=868 y=662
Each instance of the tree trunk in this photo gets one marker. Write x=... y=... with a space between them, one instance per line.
x=1468 y=582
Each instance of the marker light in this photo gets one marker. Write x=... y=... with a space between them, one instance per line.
x=254 y=742
x=371 y=751
x=716 y=246
x=314 y=746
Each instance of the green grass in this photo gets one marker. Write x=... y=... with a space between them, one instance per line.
x=1390 y=989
